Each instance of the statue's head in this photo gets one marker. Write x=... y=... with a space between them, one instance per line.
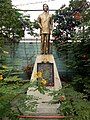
x=45 y=7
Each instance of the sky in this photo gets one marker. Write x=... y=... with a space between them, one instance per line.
x=37 y=4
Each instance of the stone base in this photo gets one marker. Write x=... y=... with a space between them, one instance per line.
x=50 y=59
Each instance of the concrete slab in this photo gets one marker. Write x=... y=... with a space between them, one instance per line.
x=44 y=107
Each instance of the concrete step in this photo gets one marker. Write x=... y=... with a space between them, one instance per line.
x=47 y=108
x=44 y=107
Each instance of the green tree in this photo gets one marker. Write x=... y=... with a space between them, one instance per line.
x=73 y=23
x=10 y=25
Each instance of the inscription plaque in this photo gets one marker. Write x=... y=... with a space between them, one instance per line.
x=47 y=70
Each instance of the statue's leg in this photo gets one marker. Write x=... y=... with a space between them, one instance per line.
x=47 y=43
x=42 y=44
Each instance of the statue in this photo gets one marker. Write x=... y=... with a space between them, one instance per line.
x=45 y=23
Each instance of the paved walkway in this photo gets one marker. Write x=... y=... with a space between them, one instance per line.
x=44 y=106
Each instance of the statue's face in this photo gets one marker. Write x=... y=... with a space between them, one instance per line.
x=45 y=7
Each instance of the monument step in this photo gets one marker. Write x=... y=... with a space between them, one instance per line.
x=43 y=117
x=44 y=106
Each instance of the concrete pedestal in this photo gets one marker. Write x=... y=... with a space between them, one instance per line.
x=45 y=59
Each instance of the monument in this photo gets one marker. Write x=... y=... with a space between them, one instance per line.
x=45 y=62
x=45 y=70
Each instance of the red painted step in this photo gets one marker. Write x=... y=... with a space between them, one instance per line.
x=44 y=117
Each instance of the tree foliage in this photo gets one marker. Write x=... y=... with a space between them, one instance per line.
x=73 y=40
x=11 y=28
x=73 y=104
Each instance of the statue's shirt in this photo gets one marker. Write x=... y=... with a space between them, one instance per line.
x=45 y=22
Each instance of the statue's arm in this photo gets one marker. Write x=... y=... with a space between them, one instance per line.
x=39 y=22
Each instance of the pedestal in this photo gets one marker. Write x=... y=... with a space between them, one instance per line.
x=47 y=60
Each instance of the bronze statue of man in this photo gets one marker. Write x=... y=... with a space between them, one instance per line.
x=45 y=24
